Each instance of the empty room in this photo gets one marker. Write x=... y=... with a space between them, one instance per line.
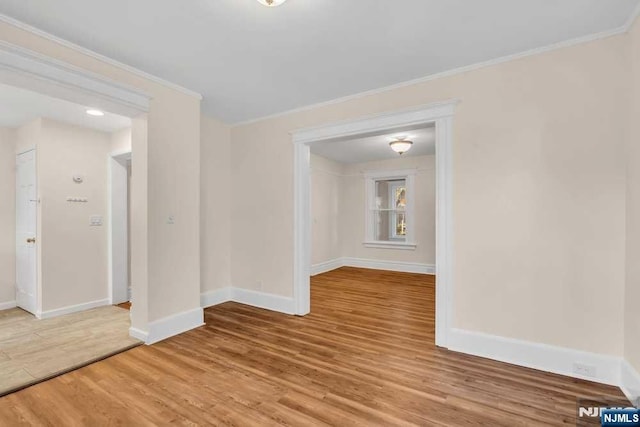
x=303 y=212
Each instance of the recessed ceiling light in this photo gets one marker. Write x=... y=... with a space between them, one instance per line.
x=272 y=3
x=96 y=113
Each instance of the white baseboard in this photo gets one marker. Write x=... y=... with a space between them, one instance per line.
x=543 y=357
x=7 y=305
x=630 y=382
x=245 y=296
x=262 y=300
x=326 y=266
x=138 y=334
x=403 y=267
x=400 y=266
x=166 y=327
x=72 y=309
x=211 y=298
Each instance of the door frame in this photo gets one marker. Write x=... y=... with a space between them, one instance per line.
x=118 y=227
x=439 y=114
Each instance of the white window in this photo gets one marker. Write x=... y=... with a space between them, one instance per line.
x=389 y=209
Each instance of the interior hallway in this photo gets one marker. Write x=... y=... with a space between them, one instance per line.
x=365 y=355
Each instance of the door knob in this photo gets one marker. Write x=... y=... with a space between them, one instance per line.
x=31 y=240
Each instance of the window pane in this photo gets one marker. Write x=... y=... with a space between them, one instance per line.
x=401 y=224
x=401 y=197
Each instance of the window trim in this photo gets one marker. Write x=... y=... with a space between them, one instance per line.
x=371 y=177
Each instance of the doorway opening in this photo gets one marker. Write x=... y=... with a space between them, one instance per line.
x=440 y=117
x=120 y=224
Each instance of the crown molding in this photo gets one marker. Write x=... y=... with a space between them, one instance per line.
x=449 y=73
x=102 y=58
x=632 y=18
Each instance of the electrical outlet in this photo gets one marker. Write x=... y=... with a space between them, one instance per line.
x=584 y=370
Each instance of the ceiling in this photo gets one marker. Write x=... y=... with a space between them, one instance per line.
x=372 y=148
x=19 y=106
x=250 y=61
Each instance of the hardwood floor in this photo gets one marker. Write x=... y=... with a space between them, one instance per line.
x=365 y=356
x=125 y=305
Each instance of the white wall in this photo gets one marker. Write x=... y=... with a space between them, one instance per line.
x=7 y=217
x=338 y=201
x=73 y=253
x=120 y=141
x=632 y=288
x=327 y=217
x=216 y=196
x=538 y=194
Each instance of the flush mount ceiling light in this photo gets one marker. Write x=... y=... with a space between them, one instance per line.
x=272 y=3
x=96 y=113
x=401 y=145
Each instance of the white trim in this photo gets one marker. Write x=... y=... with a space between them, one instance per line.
x=440 y=113
x=375 y=123
x=390 y=174
x=7 y=305
x=632 y=18
x=453 y=72
x=374 y=264
x=40 y=33
x=31 y=70
x=72 y=309
x=175 y=324
x=548 y=358
x=630 y=382
x=444 y=229
x=138 y=334
x=219 y=296
x=327 y=266
x=400 y=266
x=262 y=300
x=381 y=244
x=248 y=297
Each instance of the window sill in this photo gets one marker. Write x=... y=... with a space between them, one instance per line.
x=390 y=245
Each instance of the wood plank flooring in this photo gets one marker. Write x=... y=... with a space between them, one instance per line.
x=365 y=356
x=32 y=350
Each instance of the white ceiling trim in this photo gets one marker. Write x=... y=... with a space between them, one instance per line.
x=567 y=43
x=632 y=18
x=36 y=72
x=33 y=30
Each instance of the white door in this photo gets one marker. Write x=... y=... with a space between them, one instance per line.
x=26 y=208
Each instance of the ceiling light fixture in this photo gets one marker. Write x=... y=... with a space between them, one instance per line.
x=401 y=145
x=96 y=113
x=272 y=3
